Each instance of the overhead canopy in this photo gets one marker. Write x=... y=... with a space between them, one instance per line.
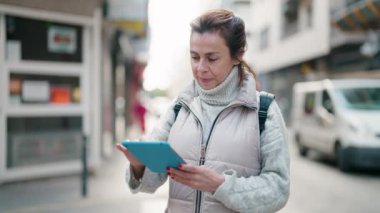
x=363 y=15
x=76 y=7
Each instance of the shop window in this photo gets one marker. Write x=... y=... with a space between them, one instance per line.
x=32 y=89
x=40 y=140
x=309 y=13
x=29 y=39
x=290 y=16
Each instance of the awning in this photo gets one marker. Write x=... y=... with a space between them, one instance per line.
x=363 y=15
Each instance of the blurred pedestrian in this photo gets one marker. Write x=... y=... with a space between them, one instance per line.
x=139 y=112
x=230 y=167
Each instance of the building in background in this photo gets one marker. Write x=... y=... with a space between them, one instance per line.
x=50 y=84
x=295 y=40
x=125 y=41
x=68 y=69
x=364 y=16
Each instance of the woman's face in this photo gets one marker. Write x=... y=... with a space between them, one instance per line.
x=210 y=59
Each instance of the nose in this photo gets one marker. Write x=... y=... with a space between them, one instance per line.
x=202 y=65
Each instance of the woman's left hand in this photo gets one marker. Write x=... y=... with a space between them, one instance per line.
x=197 y=177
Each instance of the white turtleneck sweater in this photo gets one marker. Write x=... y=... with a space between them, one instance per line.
x=213 y=101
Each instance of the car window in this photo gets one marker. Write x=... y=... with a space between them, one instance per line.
x=309 y=103
x=361 y=98
x=327 y=102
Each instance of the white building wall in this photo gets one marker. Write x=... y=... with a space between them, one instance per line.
x=306 y=44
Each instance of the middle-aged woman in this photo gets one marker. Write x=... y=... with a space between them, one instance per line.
x=230 y=167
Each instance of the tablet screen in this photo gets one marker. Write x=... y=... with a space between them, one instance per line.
x=156 y=155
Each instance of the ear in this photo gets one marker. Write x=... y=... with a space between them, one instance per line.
x=239 y=57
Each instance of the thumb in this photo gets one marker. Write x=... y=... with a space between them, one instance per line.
x=121 y=148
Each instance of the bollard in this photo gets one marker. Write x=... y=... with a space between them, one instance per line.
x=84 y=166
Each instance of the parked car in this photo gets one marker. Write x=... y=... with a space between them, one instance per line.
x=339 y=118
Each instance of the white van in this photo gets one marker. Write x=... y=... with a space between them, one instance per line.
x=340 y=118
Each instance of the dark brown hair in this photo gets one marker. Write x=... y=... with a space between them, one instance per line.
x=230 y=27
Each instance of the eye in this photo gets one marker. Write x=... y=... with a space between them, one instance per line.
x=212 y=59
x=194 y=57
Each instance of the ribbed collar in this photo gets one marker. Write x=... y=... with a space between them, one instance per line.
x=222 y=94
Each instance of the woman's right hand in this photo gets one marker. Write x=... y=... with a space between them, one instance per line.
x=137 y=167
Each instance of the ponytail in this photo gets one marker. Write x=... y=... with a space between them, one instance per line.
x=243 y=66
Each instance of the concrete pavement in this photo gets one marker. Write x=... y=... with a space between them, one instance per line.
x=107 y=192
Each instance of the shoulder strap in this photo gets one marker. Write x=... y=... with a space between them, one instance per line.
x=265 y=101
x=177 y=107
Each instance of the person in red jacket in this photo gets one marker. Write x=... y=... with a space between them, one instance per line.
x=139 y=112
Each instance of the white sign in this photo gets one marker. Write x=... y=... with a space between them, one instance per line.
x=13 y=50
x=62 y=39
x=35 y=91
x=128 y=9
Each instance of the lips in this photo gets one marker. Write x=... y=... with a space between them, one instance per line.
x=205 y=80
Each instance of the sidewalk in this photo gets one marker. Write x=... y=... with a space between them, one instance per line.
x=107 y=192
x=107 y=189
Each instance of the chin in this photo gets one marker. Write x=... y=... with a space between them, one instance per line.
x=208 y=87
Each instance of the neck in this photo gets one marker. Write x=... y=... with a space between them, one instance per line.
x=222 y=94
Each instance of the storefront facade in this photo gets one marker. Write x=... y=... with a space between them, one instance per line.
x=50 y=86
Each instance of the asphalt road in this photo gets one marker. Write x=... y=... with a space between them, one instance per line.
x=317 y=185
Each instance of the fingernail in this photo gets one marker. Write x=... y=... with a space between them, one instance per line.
x=180 y=166
x=167 y=168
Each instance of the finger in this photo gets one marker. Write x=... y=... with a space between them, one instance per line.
x=120 y=147
x=128 y=154
x=188 y=181
x=189 y=168
x=124 y=150
x=192 y=180
x=178 y=173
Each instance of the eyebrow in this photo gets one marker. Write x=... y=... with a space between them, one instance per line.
x=207 y=54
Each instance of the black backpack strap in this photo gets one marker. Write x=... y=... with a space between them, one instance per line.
x=177 y=107
x=265 y=101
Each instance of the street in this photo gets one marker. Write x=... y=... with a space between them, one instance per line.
x=316 y=186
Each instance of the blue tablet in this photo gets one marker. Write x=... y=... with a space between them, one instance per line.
x=154 y=155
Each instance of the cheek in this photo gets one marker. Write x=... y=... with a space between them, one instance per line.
x=194 y=66
x=222 y=73
x=193 y=70
x=194 y=74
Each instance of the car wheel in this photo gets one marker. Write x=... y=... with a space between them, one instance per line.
x=302 y=150
x=341 y=159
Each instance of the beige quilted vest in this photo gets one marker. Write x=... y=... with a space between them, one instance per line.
x=233 y=144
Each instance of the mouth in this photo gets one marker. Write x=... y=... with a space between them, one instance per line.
x=205 y=80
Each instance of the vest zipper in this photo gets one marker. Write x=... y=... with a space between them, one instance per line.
x=203 y=157
x=198 y=198
x=201 y=162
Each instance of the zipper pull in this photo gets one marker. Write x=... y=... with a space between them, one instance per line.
x=203 y=154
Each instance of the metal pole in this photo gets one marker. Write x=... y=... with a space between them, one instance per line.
x=84 y=166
